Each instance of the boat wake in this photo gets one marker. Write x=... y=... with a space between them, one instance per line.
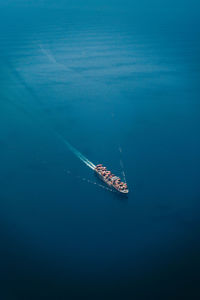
x=120 y=153
x=77 y=153
x=52 y=59
x=123 y=172
x=48 y=55
x=89 y=181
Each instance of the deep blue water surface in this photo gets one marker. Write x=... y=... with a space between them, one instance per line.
x=103 y=76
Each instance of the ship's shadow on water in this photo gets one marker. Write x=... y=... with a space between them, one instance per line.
x=120 y=197
x=114 y=194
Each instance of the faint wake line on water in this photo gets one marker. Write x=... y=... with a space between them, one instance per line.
x=77 y=153
x=122 y=168
x=70 y=147
x=121 y=161
x=122 y=165
x=92 y=182
x=95 y=183
x=52 y=59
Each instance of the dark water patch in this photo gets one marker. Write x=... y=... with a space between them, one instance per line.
x=61 y=236
x=38 y=167
x=3 y=145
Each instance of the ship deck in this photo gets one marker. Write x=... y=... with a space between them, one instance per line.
x=110 y=183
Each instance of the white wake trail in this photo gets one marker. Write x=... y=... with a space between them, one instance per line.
x=77 y=153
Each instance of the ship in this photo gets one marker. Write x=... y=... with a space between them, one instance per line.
x=110 y=179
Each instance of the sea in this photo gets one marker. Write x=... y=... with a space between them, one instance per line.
x=88 y=82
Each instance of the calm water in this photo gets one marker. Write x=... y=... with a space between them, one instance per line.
x=104 y=77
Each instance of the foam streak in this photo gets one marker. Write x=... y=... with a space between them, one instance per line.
x=77 y=153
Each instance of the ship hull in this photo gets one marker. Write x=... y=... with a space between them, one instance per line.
x=110 y=184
